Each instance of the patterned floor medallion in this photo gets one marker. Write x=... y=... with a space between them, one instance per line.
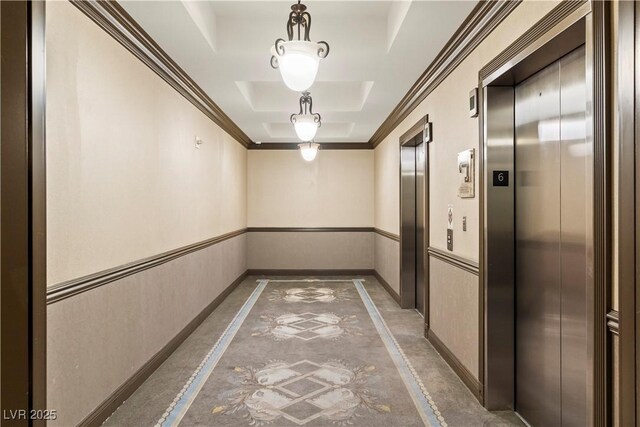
x=308 y=326
x=301 y=392
x=310 y=294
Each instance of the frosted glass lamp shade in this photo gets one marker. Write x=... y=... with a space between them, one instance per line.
x=306 y=126
x=309 y=150
x=298 y=62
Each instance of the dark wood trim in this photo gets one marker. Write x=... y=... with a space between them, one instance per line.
x=414 y=131
x=312 y=272
x=543 y=26
x=467 y=377
x=112 y=18
x=23 y=209
x=387 y=287
x=613 y=324
x=637 y=204
x=122 y=393
x=625 y=324
x=482 y=238
x=73 y=287
x=309 y=229
x=486 y=16
x=455 y=260
x=601 y=116
x=427 y=228
x=323 y=146
x=386 y=234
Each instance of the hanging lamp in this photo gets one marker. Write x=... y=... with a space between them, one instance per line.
x=309 y=150
x=306 y=122
x=298 y=59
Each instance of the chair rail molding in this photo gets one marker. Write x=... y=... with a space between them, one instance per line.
x=73 y=287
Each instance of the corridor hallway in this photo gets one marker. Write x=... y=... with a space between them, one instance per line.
x=311 y=351
x=415 y=212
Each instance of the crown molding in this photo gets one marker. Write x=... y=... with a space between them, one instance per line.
x=323 y=146
x=112 y=18
x=483 y=19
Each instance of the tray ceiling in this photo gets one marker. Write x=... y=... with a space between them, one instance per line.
x=378 y=50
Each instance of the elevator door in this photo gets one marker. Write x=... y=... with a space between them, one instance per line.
x=553 y=196
x=412 y=230
x=420 y=225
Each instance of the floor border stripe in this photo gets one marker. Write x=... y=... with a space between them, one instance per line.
x=421 y=397
x=183 y=400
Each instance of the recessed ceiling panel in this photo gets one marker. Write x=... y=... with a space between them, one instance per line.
x=328 y=131
x=329 y=96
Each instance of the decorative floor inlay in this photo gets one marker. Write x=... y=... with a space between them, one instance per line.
x=301 y=392
x=308 y=326
x=310 y=294
x=285 y=360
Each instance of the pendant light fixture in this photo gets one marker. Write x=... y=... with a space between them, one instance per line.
x=298 y=59
x=306 y=122
x=309 y=150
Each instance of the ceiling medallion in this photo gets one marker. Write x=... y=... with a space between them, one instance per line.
x=298 y=59
x=306 y=122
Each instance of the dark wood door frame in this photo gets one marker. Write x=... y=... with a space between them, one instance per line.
x=628 y=124
x=22 y=208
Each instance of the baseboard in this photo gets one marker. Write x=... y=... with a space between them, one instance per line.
x=467 y=377
x=122 y=393
x=387 y=287
x=320 y=272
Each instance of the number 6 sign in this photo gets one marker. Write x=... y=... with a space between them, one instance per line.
x=500 y=178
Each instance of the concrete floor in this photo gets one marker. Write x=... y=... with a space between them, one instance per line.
x=454 y=401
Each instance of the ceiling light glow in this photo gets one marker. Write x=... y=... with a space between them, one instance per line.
x=309 y=150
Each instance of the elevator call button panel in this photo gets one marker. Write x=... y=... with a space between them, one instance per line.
x=500 y=178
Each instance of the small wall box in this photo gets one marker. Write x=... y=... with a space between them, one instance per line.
x=473 y=103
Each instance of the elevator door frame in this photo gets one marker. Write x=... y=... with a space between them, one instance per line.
x=585 y=24
x=407 y=283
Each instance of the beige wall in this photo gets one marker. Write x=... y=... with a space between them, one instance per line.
x=98 y=339
x=387 y=261
x=335 y=190
x=124 y=179
x=125 y=182
x=454 y=312
x=310 y=250
x=453 y=131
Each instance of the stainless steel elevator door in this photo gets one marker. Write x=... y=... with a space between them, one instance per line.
x=420 y=225
x=408 y=225
x=552 y=202
x=412 y=227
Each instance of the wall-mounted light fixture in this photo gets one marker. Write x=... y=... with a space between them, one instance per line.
x=309 y=150
x=306 y=122
x=298 y=60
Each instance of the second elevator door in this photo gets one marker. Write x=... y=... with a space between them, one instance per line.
x=552 y=161
x=420 y=226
